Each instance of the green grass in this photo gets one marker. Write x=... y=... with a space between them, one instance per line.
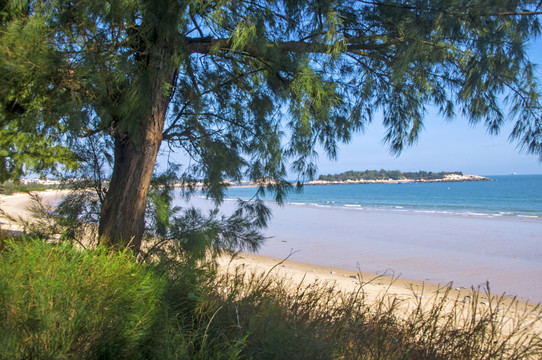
x=59 y=302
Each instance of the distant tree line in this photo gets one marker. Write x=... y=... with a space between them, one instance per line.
x=386 y=175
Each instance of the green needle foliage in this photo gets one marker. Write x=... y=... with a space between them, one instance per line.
x=249 y=89
x=57 y=301
x=30 y=135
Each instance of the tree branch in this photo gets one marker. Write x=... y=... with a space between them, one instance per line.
x=353 y=45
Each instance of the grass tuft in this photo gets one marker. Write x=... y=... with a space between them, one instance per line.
x=61 y=302
x=285 y=320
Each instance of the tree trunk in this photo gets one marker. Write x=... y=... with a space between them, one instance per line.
x=122 y=219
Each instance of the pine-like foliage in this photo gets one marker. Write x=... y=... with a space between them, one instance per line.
x=246 y=88
x=30 y=139
x=259 y=82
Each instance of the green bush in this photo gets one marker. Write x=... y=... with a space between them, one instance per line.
x=58 y=302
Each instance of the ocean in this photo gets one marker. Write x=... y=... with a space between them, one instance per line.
x=468 y=233
x=507 y=196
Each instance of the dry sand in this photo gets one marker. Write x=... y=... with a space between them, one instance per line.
x=409 y=292
x=16 y=206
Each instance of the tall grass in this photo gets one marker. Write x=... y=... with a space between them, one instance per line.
x=285 y=320
x=57 y=302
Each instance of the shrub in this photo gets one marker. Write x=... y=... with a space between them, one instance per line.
x=58 y=302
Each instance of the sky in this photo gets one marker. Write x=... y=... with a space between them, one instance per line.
x=442 y=146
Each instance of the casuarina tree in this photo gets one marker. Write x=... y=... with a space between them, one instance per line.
x=249 y=89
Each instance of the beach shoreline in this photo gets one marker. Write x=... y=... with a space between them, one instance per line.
x=347 y=280
x=16 y=206
x=287 y=261
x=468 y=251
x=375 y=288
x=406 y=298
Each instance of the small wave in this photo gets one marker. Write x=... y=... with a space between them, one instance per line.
x=444 y=212
x=416 y=209
x=309 y=205
x=502 y=214
x=320 y=205
x=474 y=214
x=297 y=204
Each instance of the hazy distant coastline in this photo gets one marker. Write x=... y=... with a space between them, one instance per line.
x=446 y=178
x=365 y=177
x=393 y=177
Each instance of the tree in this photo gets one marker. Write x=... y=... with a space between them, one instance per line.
x=247 y=87
x=30 y=139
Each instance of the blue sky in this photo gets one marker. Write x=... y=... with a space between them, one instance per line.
x=442 y=146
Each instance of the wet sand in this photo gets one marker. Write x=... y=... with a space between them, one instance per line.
x=466 y=250
x=423 y=251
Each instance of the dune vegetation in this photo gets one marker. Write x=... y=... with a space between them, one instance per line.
x=58 y=301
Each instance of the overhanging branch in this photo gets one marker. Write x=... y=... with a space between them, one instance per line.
x=351 y=45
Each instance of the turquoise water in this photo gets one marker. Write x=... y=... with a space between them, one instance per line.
x=506 y=196
x=469 y=233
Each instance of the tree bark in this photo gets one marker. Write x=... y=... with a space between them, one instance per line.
x=122 y=219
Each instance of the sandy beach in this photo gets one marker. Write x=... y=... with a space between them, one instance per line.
x=374 y=286
x=16 y=206
x=466 y=250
